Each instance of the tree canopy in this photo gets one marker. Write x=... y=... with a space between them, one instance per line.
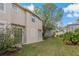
x=50 y=15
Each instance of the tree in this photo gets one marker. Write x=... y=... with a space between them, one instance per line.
x=38 y=11
x=50 y=15
x=78 y=19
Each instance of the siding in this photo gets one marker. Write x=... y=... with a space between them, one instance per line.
x=32 y=29
x=6 y=15
x=19 y=17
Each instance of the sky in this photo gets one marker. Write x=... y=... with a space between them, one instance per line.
x=71 y=11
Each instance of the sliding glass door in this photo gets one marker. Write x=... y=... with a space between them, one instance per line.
x=18 y=35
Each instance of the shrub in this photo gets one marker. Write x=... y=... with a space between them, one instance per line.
x=72 y=37
x=8 y=42
x=75 y=38
x=76 y=30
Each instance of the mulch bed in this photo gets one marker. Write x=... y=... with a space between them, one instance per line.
x=10 y=53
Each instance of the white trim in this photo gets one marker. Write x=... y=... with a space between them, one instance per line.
x=32 y=42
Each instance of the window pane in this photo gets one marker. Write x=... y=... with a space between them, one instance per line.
x=13 y=6
x=1 y=6
x=18 y=35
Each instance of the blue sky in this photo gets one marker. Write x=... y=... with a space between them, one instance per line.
x=69 y=12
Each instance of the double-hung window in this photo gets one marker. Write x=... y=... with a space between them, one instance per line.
x=2 y=7
x=33 y=19
x=18 y=35
x=13 y=6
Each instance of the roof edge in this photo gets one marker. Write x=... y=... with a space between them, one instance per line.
x=25 y=9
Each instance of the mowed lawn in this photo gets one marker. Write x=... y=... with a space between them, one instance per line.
x=50 y=47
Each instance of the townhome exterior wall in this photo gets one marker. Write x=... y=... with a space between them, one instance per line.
x=18 y=16
x=21 y=17
x=72 y=27
x=32 y=28
x=5 y=16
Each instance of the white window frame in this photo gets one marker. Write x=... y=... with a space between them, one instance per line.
x=4 y=8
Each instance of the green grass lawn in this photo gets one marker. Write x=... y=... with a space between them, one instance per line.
x=50 y=47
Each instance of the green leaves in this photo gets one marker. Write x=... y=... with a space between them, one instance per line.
x=9 y=41
x=59 y=14
x=50 y=15
x=77 y=19
x=50 y=6
x=72 y=36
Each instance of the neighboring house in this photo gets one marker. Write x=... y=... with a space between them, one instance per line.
x=28 y=23
x=72 y=27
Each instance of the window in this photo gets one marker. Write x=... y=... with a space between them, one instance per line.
x=33 y=19
x=18 y=10
x=13 y=6
x=18 y=35
x=1 y=6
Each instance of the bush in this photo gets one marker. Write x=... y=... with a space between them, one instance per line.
x=67 y=35
x=72 y=37
x=6 y=45
x=8 y=42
